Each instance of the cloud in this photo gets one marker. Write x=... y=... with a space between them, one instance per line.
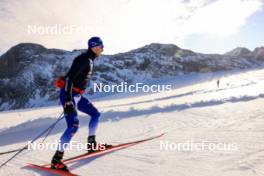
x=123 y=24
x=221 y=18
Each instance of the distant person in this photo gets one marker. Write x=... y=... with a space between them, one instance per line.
x=218 y=83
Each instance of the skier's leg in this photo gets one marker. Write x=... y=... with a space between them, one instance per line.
x=72 y=125
x=87 y=107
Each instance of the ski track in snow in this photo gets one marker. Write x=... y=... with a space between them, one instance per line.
x=232 y=113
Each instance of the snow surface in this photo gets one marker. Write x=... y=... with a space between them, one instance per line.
x=195 y=110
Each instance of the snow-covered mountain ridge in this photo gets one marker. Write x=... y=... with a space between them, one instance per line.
x=28 y=70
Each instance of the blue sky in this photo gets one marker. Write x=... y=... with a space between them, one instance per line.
x=205 y=26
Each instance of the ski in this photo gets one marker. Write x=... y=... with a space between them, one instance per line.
x=47 y=168
x=52 y=171
x=108 y=150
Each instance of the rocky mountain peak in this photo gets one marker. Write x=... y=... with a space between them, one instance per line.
x=239 y=51
x=17 y=57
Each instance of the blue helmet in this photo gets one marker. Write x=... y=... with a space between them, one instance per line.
x=95 y=41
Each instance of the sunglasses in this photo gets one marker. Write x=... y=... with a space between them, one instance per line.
x=101 y=46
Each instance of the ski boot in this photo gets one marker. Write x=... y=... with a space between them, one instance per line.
x=93 y=146
x=56 y=162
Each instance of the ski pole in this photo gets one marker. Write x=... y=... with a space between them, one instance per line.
x=50 y=129
x=10 y=151
x=15 y=150
x=26 y=146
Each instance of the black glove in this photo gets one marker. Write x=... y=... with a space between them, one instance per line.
x=69 y=108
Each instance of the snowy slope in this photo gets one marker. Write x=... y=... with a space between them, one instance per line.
x=195 y=111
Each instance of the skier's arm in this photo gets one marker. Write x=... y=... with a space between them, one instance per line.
x=74 y=71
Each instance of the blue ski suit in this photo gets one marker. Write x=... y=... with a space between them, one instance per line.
x=75 y=83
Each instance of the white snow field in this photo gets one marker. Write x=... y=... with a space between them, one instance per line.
x=228 y=122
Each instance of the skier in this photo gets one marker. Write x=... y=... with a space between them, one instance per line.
x=72 y=87
x=218 y=83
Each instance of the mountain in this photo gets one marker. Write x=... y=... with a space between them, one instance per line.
x=239 y=51
x=27 y=70
x=257 y=54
